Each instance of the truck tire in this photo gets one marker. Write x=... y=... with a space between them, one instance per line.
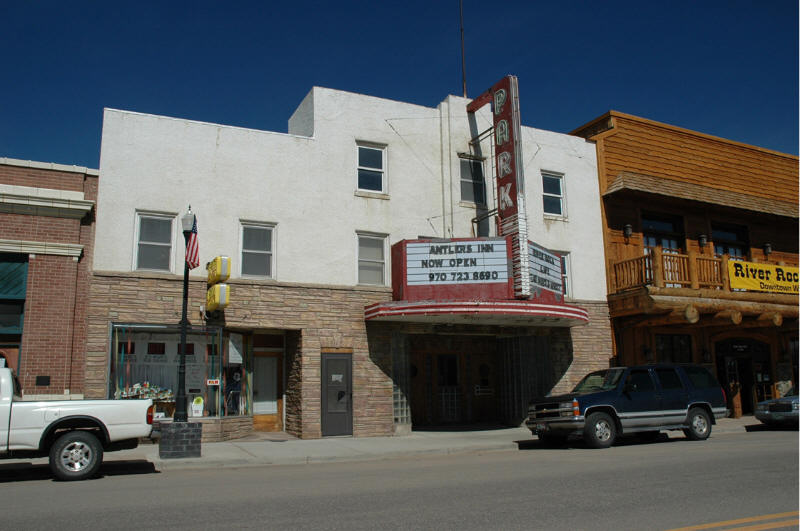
x=600 y=431
x=75 y=455
x=699 y=424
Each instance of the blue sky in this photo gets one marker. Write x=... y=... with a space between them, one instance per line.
x=726 y=68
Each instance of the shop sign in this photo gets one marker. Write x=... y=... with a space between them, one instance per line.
x=212 y=381
x=769 y=278
x=545 y=269
x=219 y=269
x=217 y=297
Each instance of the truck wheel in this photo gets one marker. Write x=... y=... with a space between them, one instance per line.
x=75 y=455
x=600 y=430
x=699 y=424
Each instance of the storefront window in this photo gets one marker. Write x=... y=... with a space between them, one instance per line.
x=674 y=348
x=144 y=364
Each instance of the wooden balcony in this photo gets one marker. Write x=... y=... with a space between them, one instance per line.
x=663 y=269
x=671 y=288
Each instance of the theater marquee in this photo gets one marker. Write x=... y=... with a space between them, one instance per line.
x=455 y=269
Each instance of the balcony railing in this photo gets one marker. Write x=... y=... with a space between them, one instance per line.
x=671 y=270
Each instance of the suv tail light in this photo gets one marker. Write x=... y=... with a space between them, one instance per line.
x=724 y=396
x=150 y=414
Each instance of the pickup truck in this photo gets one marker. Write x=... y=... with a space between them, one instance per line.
x=623 y=400
x=72 y=433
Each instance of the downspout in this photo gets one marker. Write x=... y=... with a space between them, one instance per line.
x=441 y=167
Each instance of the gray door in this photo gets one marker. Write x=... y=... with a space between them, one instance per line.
x=337 y=394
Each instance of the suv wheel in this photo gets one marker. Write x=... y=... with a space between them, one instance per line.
x=600 y=430
x=699 y=424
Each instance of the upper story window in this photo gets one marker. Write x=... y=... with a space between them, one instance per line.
x=553 y=194
x=257 y=254
x=371 y=259
x=473 y=185
x=154 y=243
x=730 y=240
x=662 y=230
x=371 y=167
x=566 y=286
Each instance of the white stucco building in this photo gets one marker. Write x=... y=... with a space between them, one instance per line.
x=308 y=219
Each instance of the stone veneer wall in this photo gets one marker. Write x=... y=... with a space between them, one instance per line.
x=318 y=318
x=591 y=345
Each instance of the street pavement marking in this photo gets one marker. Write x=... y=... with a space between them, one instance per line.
x=769 y=525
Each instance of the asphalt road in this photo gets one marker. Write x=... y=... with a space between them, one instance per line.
x=663 y=485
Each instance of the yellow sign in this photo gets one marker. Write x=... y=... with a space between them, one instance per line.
x=219 y=269
x=763 y=277
x=217 y=297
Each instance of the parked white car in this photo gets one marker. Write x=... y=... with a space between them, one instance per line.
x=72 y=433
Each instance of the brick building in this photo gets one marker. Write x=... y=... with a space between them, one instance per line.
x=687 y=218
x=46 y=240
x=320 y=224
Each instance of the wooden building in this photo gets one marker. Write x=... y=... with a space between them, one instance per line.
x=688 y=218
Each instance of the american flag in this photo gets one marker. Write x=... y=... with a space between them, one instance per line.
x=192 y=248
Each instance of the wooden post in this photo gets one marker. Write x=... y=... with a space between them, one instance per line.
x=726 y=282
x=693 y=278
x=658 y=267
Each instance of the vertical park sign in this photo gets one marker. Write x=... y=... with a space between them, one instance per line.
x=509 y=177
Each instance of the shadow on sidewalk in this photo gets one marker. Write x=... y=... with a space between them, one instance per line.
x=461 y=428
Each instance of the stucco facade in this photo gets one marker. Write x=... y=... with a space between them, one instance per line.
x=303 y=190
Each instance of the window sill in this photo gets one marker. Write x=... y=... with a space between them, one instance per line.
x=471 y=204
x=554 y=217
x=371 y=195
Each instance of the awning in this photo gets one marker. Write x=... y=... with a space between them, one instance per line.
x=638 y=182
x=506 y=313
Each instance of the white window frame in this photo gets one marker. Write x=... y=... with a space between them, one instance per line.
x=383 y=170
x=566 y=273
x=461 y=180
x=562 y=198
x=272 y=261
x=374 y=236
x=171 y=217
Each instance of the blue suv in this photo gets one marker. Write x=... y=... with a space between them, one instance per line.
x=623 y=400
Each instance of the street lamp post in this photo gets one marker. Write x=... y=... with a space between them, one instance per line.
x=187 y=221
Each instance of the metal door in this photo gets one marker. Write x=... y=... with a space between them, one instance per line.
x=337 y=394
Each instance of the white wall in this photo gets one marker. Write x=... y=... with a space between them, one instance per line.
x=306 y=185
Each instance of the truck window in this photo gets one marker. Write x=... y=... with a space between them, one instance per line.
x=640 y=381
x=669 y=378
x=700 y=378
x=605 y=380
x=17 y=388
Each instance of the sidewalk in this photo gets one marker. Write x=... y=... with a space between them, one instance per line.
x=262 y=449
x=281 y=449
